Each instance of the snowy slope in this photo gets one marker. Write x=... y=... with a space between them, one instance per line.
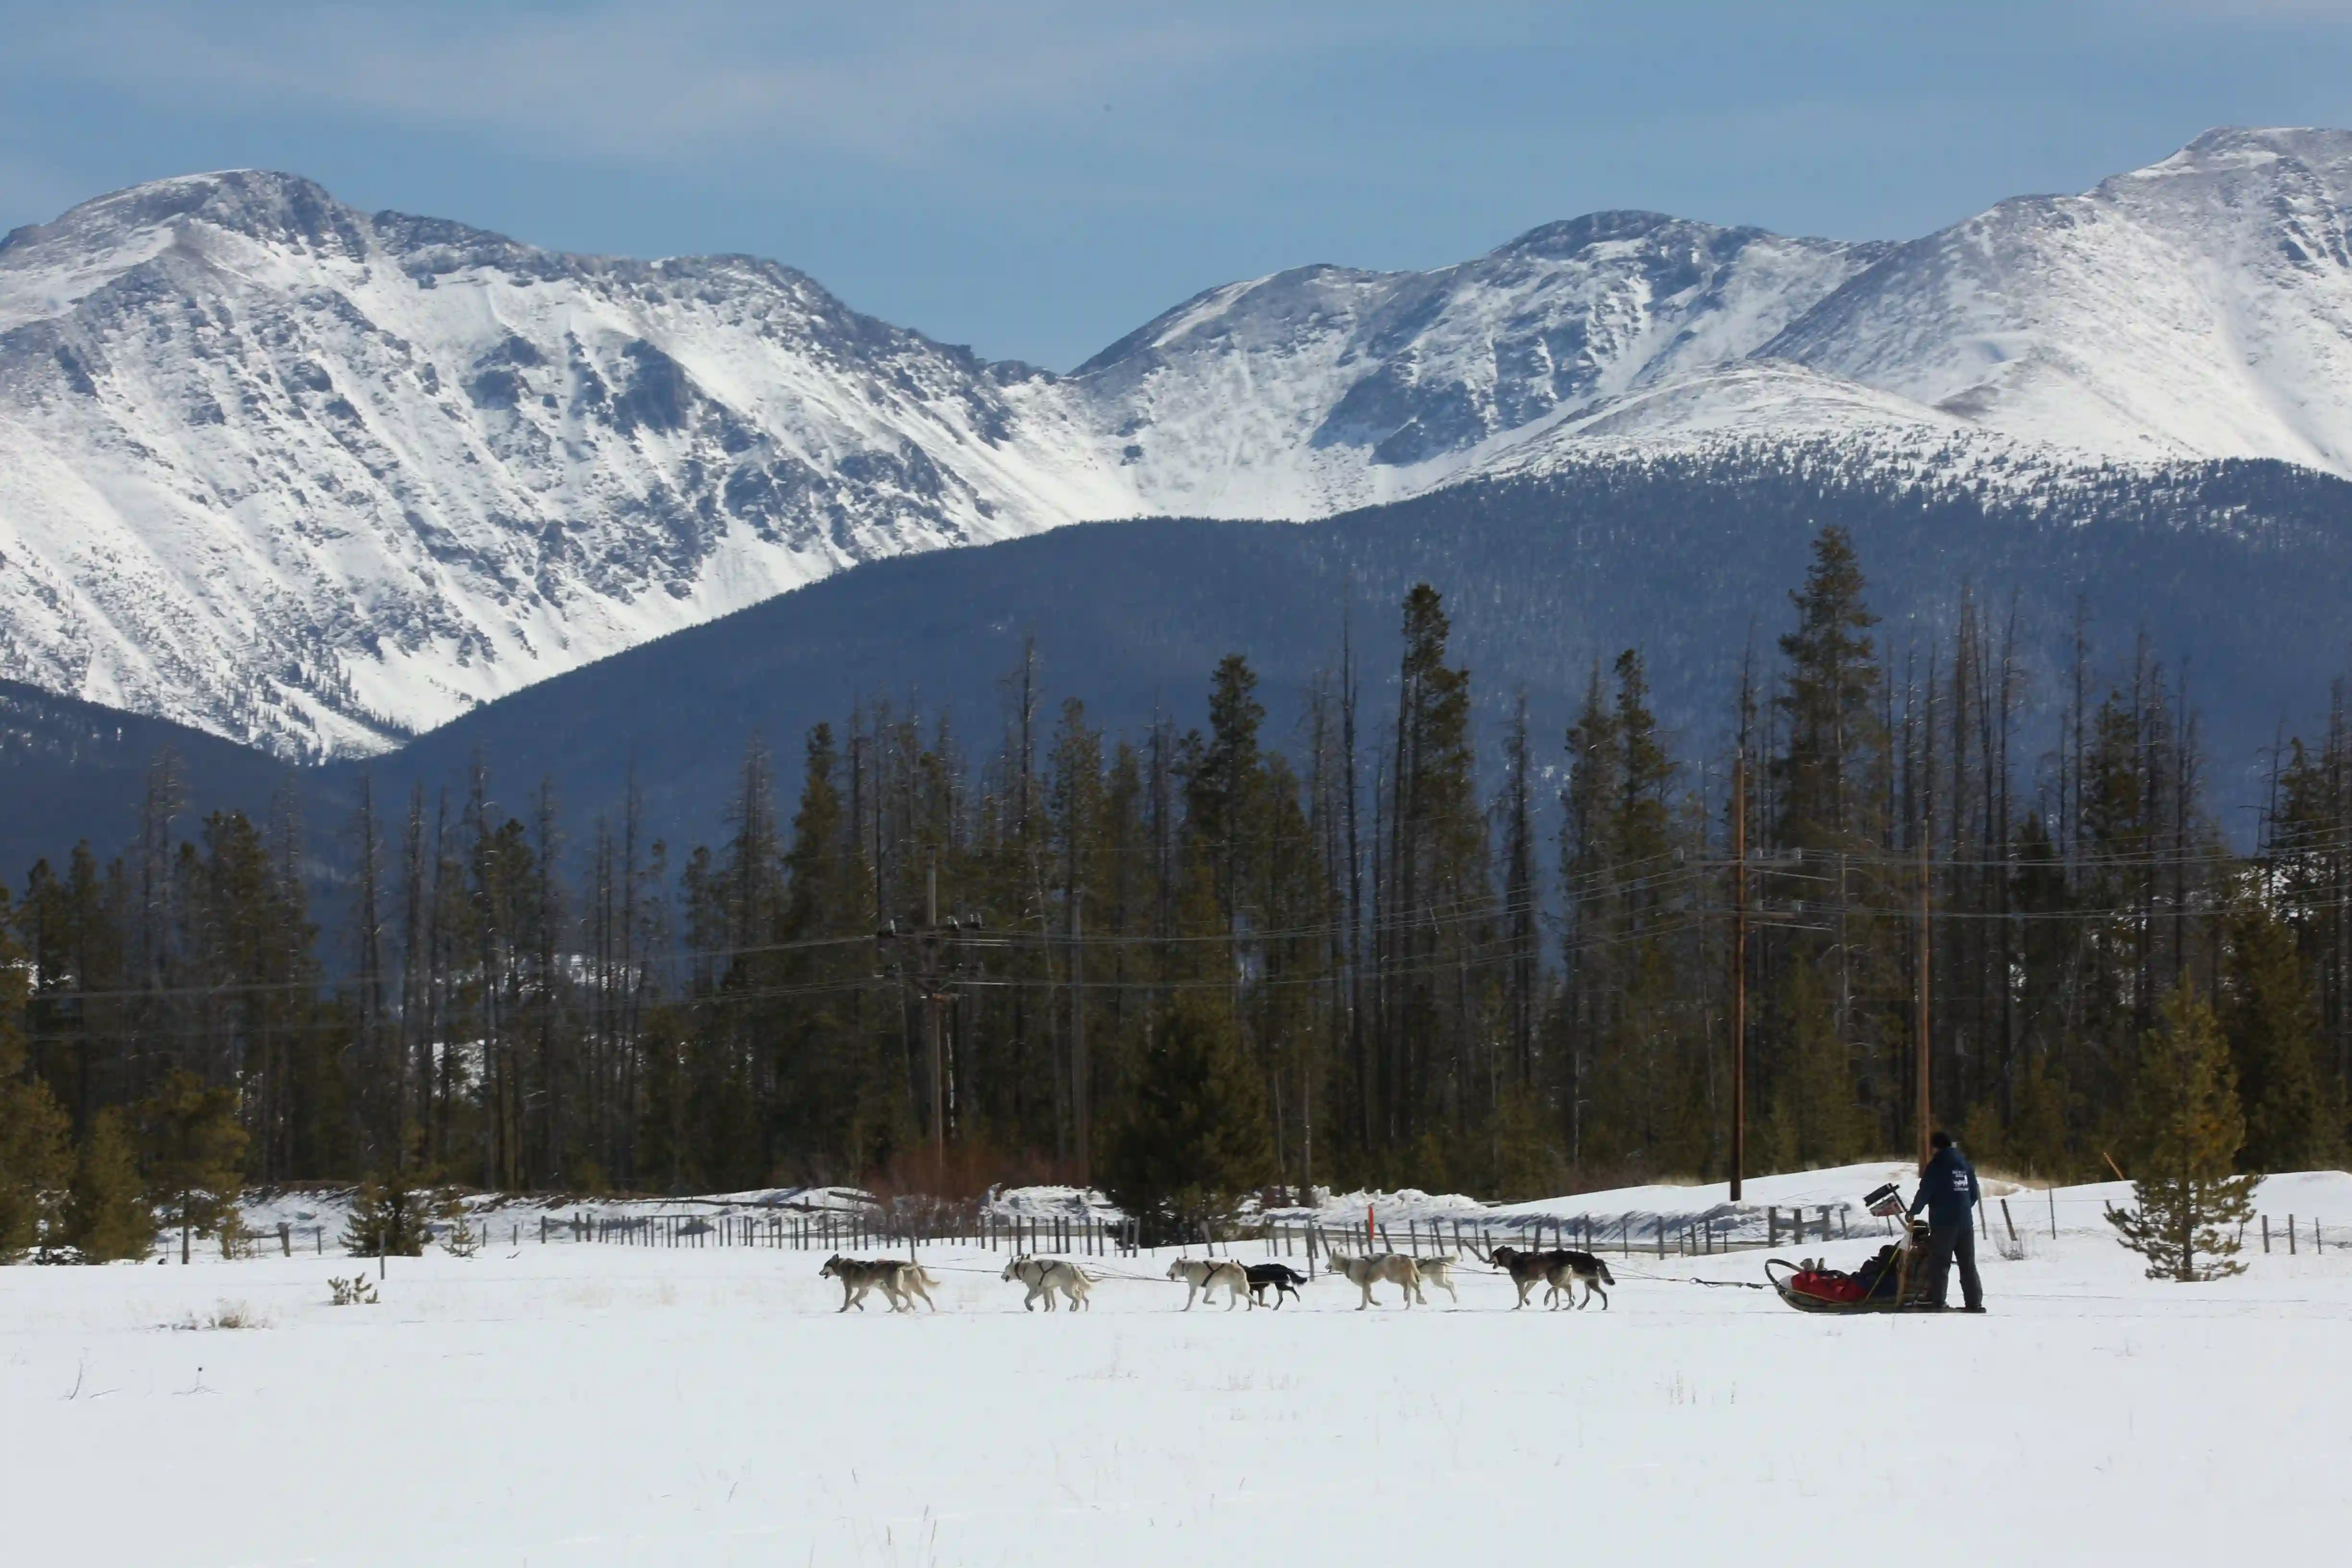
x=310 y=478
x=2197 y=308
x=1314 y=390
x=316 y=480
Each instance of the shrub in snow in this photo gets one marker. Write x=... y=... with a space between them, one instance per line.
x=354 y=1293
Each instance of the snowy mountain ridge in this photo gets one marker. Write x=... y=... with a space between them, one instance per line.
x=316 y=480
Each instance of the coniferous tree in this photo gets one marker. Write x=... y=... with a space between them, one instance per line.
x=194 y=1152
x=2294 y=1117
x=1815 y=1118
x=2186 y=1129
x=391 y=1216
x=33 y=1126
x=1827 y=786
x=1193 y=1139
x=109 y=1215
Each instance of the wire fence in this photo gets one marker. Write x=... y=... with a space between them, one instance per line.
x=2011 y=1222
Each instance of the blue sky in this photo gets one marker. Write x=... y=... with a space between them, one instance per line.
x=1036 y=178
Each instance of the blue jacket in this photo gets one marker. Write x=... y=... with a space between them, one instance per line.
x=1948 y=1188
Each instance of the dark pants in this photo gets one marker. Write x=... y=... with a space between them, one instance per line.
x=1945 y=1242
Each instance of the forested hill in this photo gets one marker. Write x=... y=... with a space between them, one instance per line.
x=71 y=770
x=2239 y=570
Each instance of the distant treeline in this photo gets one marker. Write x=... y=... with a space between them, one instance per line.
x=1185 y=964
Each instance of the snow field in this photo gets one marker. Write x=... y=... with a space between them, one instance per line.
x=615 y=1403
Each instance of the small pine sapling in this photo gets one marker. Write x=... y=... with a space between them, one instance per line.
x=463 y=1239
x=2188 y=1205
x=388 y=1219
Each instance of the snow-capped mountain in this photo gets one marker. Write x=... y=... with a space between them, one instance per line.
x=300 y=475
x=2197 y=308
x=316 y=479
x=1318 y=389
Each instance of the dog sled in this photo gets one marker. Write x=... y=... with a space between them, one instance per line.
x=1893 y=1280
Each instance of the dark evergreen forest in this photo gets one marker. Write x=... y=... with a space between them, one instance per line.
x=1217 y=958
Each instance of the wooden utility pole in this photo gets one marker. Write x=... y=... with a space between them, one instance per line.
x=1739 y=970
x=923 y=958
x=1078 y=1038
x=1926 y=951
x=932 y=1000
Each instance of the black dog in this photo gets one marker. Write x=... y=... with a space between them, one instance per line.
x=1281 y=1276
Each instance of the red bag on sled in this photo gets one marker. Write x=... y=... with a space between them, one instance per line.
x=1825 y=1285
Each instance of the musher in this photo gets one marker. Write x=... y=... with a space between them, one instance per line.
x=1948 y=1192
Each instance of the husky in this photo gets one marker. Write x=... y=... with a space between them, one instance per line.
x=1044 y=1276
x=1282 y=1279
x=859 y=1274
x=1559 y=1268
x=1438 y=1271
x=1202 y=1275
x=1364 y=1273
x=913 y=1279
x=1568 y=1268
x=1527 y=1269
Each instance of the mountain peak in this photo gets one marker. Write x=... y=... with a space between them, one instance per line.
x=2230 y=149
x=1566 y=236
x=261 y=203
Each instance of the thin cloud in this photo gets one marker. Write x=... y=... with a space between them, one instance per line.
x=910 y=85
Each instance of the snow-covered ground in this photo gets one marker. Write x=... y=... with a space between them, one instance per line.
x=570 y=1404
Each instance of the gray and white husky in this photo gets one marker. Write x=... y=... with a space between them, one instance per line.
x=1392 y=1267
x=895 y=1276
x=1044 y=1276
x=1202 y=1275
x=1438 y=1271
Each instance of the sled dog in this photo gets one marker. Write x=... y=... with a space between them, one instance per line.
x=912 y=1279
x=1527 y=1269
x=1280 y=1276
x=1566 y=1268
x=1438 y=1271
x=860 y=1275
x=1044 y=1276
x=1394 y=1267
x=1202 y=1275
x=1559 y=1268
